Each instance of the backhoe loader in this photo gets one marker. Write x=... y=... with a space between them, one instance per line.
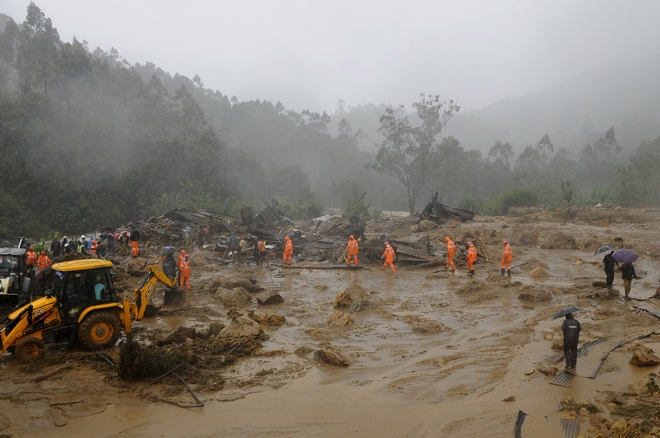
x=83 y=305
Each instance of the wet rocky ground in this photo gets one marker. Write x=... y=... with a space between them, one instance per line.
x=419 y=352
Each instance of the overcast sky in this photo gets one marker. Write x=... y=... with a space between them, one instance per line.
x=309 y=54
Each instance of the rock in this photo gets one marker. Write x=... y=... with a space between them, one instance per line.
x=333 y=357
x=642 y=356
x=601 y=223
x=136 y=266
x=599 y=284
x=639 y=387
x=617 y=208
x=427 y=225
x=352 y=294
x=535 y=295
x=339 y=318
x=4 y=422
x=275 y=298
x=178 y=336
x=607 y=294
x=242 y=326
x=510 y=398
x=548 y=371
x=528 y=238
x=539 y=273
x=237 y=297
x=613 y=397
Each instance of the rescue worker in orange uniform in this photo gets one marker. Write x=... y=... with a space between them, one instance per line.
x=184 y=272
x=94 y=247
x=263 y=254
x=389 y=257
x=30 y=262
x=471 y=258
x=287 y=257
x=507 y=258
x=135 y=242
x=352 y=251
x=43 y=261
x=451 y=251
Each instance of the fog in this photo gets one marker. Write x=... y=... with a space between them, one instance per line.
x=308 y=55
x=221 y=107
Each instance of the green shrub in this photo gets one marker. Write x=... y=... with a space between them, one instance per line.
x=356 y=205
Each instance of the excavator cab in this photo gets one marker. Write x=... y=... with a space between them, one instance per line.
x=76 y=290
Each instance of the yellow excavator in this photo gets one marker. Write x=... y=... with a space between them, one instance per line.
x=82 y=305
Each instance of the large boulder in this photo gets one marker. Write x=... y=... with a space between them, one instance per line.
x=339 y=318
x=642 y=356
x=351 y=295
x=275 y=298
x=333 y=357
x=268 y=319
x=242 y=326
x=539 y=274
x=427 y=225
x=237 y=297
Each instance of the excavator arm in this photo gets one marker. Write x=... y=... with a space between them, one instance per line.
x=143 y=293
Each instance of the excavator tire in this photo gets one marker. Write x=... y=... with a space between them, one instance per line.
x=99 y=330
x=29 y=349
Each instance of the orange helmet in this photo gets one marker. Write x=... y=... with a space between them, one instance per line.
x=183 y=252
x=447 y=239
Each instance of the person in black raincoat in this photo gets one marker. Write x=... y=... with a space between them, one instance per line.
x=608 y=265
x=571 y=328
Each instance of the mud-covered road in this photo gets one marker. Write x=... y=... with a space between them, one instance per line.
x=433 y=354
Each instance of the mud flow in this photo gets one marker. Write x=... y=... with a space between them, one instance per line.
x=416 y=352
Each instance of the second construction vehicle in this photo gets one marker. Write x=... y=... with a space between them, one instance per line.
x=83 y=305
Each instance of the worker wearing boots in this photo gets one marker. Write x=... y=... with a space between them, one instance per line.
x=471 y=258
x=507 y=258
x=571 y=328
x=451 y=252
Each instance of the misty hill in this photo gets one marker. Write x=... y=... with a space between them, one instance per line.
x=624 y=94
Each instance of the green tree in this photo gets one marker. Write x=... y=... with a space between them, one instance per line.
x=406 y=153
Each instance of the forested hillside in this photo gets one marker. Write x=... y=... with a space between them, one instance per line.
x=88 y=140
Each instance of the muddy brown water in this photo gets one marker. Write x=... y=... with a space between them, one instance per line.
x=429 y=360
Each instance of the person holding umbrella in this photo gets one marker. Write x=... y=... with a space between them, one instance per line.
x=627 y=257
x=627 y=275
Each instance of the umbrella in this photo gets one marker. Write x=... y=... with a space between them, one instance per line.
x=169 y=250
x=566 y=311
x=624 y=256
x=604 y=249
x=122 y=233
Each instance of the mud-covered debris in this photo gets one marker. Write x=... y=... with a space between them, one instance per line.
x=559 y=240
x=601 y=294
x=642 y=356
x=530 y=294
x=136 y=266
x=139 y=361
x=472 y=286
x=333 y=357
x=548 y=371
x=267 y=319
x=275 y=298
x=339 y=318
x=178 y=336
x=510 y=399
x=599 y=284
x=245 y=283
x=237 y=297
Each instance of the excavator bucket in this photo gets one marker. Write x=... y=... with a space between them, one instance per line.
x=174 y=297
